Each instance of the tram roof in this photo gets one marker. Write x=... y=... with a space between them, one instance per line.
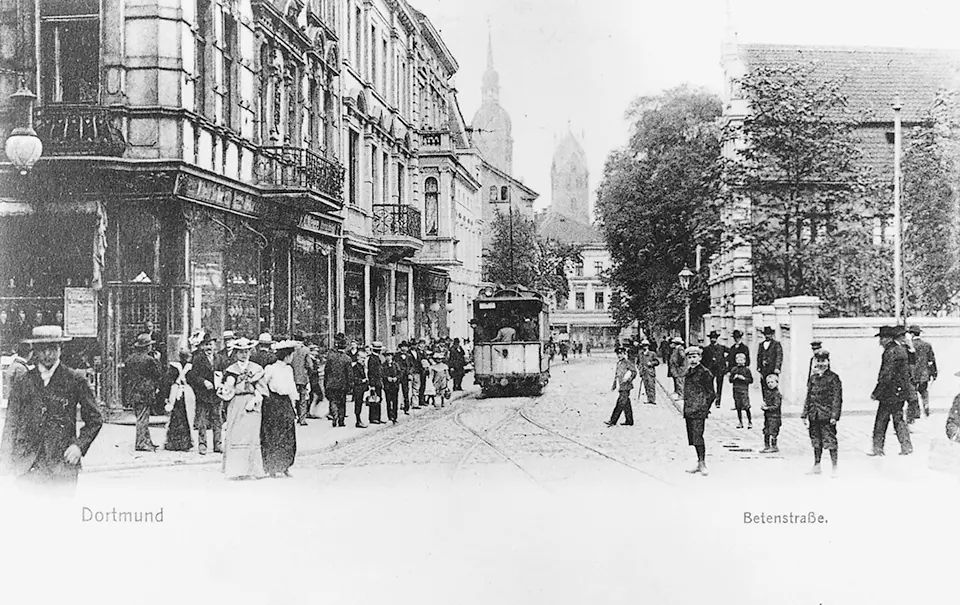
x=510 y=292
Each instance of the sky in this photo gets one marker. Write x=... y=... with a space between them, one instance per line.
x=581 y=62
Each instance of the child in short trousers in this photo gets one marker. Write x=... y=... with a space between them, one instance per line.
x=741 y=378
x=772 y=403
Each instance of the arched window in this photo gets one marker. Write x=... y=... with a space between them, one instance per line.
x=504 y=194
x=431 y=206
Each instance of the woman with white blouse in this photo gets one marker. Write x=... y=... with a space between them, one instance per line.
x=278 y=428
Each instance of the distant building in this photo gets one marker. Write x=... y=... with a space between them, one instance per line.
x=584 y=316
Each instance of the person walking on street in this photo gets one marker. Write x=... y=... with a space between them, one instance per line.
x=647 y=362
x=623 y=377
x=375 y=378
x=698 y=396
x=263 y=355
x=142 y=376
x=457 y=360
x=40 y=443
x=715 y=360
x=391 y=385
x=203 y=382
x=769 y=358
x=243 y=392
x=925 y=371
x=741 y=378
x=181 y=405
x=337 y=380
x=278 y=421
x=361 y=385
x=302 y=365
x=893 y=385
x=677 y=365
x=405 y=366
x=772 y=414
x=821 y=410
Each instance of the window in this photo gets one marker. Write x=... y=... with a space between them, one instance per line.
x=384 y=54
x=200 y=59
x=598 y=301
x=400 y=189
x=354 y=161
x=493 y=193
x=598 y=267
x=581 y=301
x=504 y=194
x=386 y=178
x=372 y=46
x=70 y=51
x=431 y=206
x=225 y=68
x=357 y=38
x=375 y=174
x=578 y=269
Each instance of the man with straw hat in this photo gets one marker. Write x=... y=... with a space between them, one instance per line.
x=142 y=379
x=40 y=439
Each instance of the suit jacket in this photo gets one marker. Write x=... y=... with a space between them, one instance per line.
x=715 y=359
x=893 y=381
x=202 y=371
x=732 y=354
x=698 y=392
x=824 y=397
x=143 y=376
x=770 y=359
x=41 y=423
x=337 y=372
x=926 y=367
x=391 y=370
x=374 y=373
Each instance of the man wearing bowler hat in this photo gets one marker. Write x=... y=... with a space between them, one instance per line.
x=769 y=358
x=925 y=370
x=40 y=439
x=142 y=376
x=715 y=360
x=893 y=386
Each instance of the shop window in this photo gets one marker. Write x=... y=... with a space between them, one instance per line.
x=70 y=51
x=311 y=293
x=431 y=206
x=354 y=301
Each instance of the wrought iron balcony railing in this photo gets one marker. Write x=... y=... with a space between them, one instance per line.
x=396 y=220
x=78 y=129
x=299 y=167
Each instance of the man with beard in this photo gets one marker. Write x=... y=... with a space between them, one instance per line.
x=715 y=360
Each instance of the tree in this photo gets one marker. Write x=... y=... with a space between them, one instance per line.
x=518 y=255
x=807 y=200
x=654 y=205
x=931 y=235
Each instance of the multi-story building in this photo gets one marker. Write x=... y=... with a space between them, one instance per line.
x=246 y=165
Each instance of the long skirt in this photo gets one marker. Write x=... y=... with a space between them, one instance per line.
x=178 y=429
x=278 y=433
x=241 y=444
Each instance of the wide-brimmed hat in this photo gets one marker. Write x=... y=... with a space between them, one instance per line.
x=891 y=331
x=265 y=338
x=915 y=330
x=228 y=334
x=283 y=344
x=376 y=345
x=243 y=343
x=713 y=334
x=47 y=335
x=676 y=340
x=768 y=330
x=143 y=341
x=438 y=354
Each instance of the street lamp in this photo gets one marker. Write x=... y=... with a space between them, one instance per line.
x=23 y=146
x=684 y=276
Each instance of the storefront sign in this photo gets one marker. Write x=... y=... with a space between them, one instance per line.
x=80 y=312
x=311 y=222
x=215 y=194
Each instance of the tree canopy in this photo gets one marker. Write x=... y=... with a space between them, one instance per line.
x=655 y=205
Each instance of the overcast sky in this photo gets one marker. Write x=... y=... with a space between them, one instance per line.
x=582 y=61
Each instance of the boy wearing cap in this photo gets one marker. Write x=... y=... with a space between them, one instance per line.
x=821 y=410
x=772 y=415
x=698 y=396
x=893 y=388
x=648 y=362
x=623 y=383
x=741 y=378
x=677 y=365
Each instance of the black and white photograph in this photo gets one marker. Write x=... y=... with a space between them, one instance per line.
x=479 y=302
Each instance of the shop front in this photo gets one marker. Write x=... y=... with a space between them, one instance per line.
x=429 y=302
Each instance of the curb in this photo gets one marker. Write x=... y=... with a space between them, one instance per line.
x=107 y=468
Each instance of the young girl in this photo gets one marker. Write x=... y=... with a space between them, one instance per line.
x=741 y=378
x=439 y=380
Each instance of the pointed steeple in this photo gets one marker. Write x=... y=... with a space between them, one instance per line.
x=728 y=50
x=489 y=47
x=491 y=79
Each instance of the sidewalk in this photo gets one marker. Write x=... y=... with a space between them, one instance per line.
x=113 y=448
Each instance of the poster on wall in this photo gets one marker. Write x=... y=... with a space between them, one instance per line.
x=80 y=312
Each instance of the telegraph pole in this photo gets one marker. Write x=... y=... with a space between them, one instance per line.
x=513 y=273
x=897 y=226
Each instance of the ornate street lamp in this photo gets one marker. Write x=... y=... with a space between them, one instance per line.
x=684 y=276
x=23 y=146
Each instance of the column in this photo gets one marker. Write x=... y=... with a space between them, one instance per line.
x=341 y=287
x=391 y=343
x=411 y=326
x=367 y=306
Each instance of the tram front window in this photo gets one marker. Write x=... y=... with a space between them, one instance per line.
x=499 y=321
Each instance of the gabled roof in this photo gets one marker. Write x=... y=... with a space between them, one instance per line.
x=872 y=76
x=556 y=226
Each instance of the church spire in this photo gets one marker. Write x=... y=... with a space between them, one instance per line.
x=489 y=47
x=491 y=79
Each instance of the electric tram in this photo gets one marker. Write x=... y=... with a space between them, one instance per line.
x=511 y=328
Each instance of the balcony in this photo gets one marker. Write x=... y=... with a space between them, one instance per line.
x=299 y=168
x=84 y=130
x=397 y=226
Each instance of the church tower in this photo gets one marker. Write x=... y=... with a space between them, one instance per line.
x=570 y=180
x=491 y=123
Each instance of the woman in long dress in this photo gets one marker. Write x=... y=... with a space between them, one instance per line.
x=278 y=428
x=242 y=456
x=181 y=405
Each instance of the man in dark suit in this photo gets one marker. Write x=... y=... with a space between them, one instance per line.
x=738 y=346
x=893 y=385
x=715 y=359
x=360 y=383
x=405 y=365
x=337 y=380
x=375 y=378
x=40 y=440
x=142 y=375
x=925 y=370
x=769 y=358
x=201 y=379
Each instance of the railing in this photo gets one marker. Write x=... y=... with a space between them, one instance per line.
x=396 y=219
x=77 y=129
x=299 y=167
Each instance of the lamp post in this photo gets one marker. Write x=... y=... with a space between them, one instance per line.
x=684 y=276
x=897 y=226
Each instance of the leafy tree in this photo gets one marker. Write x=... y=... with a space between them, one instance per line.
x=931 y=237
x=518 y=255
x=797 y=191
x=654 y=205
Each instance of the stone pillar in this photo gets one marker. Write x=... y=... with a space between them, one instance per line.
x=411 y=318
x=341 y=287
x=368 y=309
x=391 y=343
x=802 y=312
